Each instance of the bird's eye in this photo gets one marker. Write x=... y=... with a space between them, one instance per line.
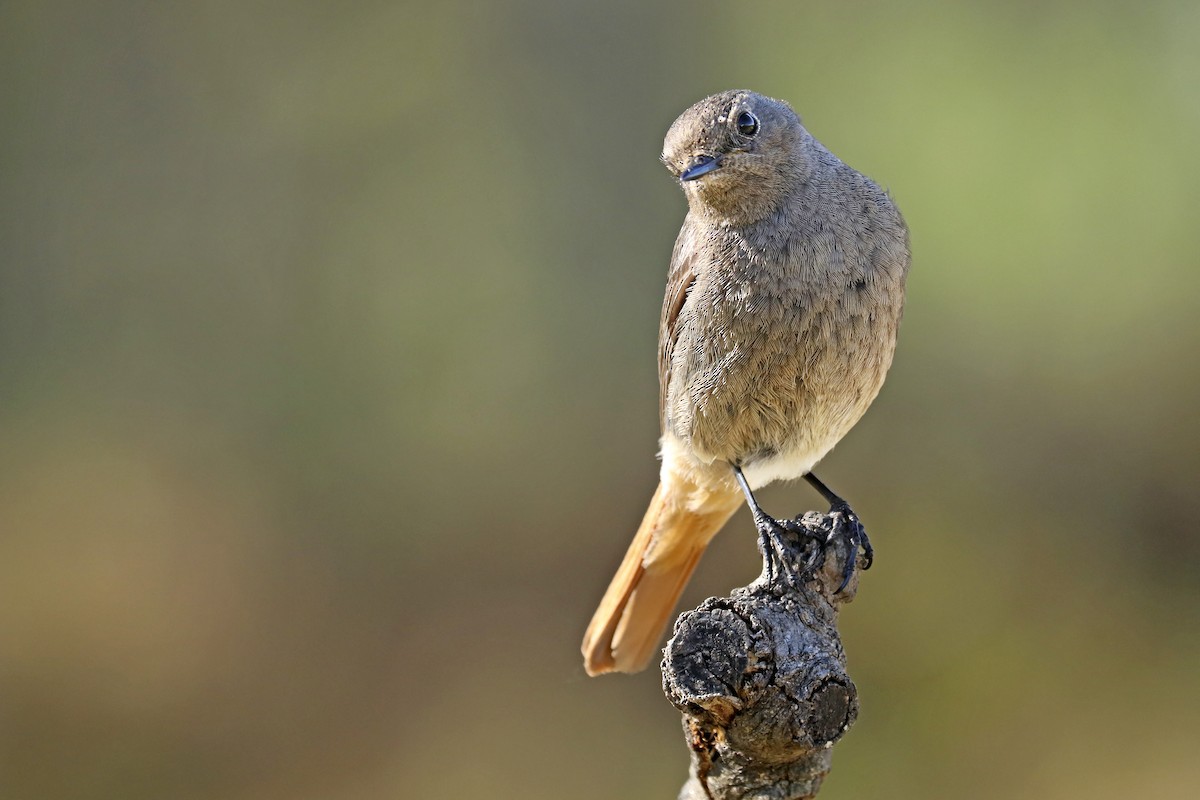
x=747 y=124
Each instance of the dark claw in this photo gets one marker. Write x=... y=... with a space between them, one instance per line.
x=852 y=536
x=769 y=530
x=846 y=532
x=776 y=551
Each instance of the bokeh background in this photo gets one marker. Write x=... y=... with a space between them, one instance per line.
x=328 y=392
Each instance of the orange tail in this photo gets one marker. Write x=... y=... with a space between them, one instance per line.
x=628 y=625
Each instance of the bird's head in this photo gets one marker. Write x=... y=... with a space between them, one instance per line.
x=737 y=154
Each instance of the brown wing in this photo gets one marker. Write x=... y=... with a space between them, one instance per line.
x=679 y=282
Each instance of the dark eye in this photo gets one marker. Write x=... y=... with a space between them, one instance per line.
x=747 y=124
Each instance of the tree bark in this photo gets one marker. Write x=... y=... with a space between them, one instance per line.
x=760 y=676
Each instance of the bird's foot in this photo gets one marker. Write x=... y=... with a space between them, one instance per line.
x=844 y=531
x=782 y=555
x=850 y=536
x=772 y=545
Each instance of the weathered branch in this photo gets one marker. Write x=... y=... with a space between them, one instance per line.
x=760 y=677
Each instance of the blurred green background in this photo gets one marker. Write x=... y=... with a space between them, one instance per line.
x=328 y=392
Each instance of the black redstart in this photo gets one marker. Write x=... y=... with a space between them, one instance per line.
x=785 y=291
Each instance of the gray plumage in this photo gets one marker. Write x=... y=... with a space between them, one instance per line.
x=779 y=323
x=784 y=294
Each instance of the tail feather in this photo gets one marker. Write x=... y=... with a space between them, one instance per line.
x=629 y=623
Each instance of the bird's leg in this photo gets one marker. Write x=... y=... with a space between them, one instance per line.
x=852 y=535
x=769 y=529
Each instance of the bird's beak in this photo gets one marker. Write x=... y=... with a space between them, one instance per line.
x=700 y=165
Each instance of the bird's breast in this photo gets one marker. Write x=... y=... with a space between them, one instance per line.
x=778 y=356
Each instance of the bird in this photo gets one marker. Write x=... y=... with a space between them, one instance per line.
x=784 y=296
